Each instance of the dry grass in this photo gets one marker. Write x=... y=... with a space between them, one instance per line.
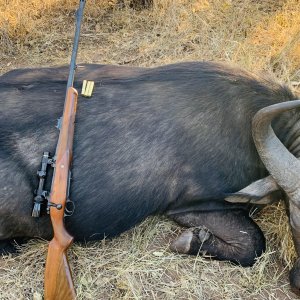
x=259 y=35
x=138 y=265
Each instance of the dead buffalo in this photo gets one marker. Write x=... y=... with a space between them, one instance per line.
x=173 y=140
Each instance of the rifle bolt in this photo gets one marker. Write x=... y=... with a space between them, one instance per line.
x=57 y=206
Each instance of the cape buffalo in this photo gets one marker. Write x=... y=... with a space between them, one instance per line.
x=173 y=140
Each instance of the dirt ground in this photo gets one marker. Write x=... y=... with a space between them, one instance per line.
x=262 y=36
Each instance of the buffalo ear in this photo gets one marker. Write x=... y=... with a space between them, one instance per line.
x=262 y=191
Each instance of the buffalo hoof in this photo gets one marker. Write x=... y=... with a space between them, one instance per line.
x=295 y=277
x=190 y=241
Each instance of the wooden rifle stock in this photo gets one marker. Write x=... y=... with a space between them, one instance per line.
x=58 y=278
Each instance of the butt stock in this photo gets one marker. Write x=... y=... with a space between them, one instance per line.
x=58 y=278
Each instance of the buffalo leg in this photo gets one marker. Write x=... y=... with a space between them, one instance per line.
x=224 y=235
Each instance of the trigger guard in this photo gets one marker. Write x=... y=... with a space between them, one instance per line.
x=69 y=210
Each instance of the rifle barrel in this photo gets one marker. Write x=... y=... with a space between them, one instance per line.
x=79 y=15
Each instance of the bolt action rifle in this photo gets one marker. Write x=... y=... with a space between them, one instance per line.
x=58 y=277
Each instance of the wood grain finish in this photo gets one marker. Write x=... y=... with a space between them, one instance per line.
x=58 y=278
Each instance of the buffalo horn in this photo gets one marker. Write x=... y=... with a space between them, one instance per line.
x=282 y=165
